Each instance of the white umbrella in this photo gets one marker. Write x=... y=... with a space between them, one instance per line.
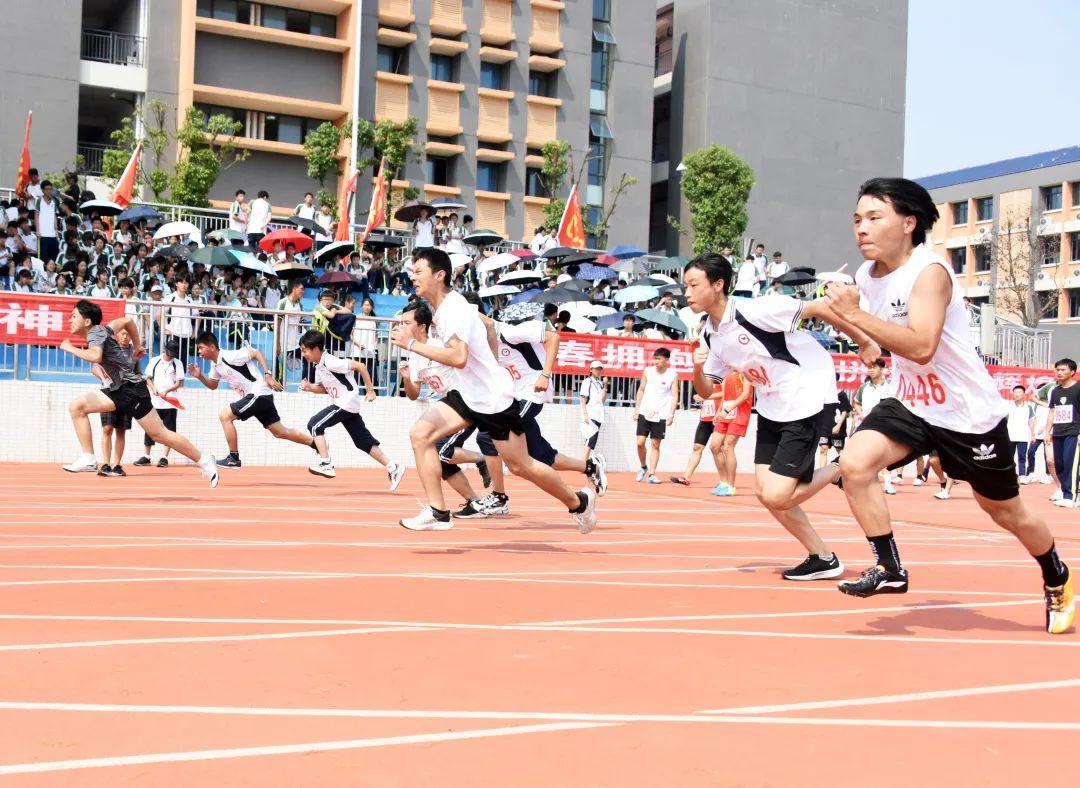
x=457 y=260
x=581 y=324
x=252 y=263
x=102 y=207
x=498 y=290
x=663 y=278
x=498 y=261
x=182 y=229
x=586 y=309
x=519 y=277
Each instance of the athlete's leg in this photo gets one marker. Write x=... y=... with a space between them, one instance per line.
x=152 y=426
x=228 y=426
x=693 y=461
x=376 y=453
x=107 y=442
x=280 y=431
x=516 y=455
x=641 y=451
x=654 y=458
x=437 y=422
x=865 y=456
x=119 y=442
x=783 y=492
x=724 y=454
x=775 y=492
x=1015 y=517
x=80 y=409
x=459 y=483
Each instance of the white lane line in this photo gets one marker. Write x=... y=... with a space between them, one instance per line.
x=907 y=697
x=285 y=749
x=209 y=570
x=192 y=579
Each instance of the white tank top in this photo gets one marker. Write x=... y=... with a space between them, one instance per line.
x=954 y=390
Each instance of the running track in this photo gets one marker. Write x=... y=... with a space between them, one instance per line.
x=282 y=630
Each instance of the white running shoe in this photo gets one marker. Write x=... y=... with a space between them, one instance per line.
x=898 y=480
x=942 y=495
x=426 y=521
x=1046 y=480
x=395 y=471
x=208 y=466
x=586 y=520
x=1057 y=496
x=323 y=468
x=1066 y=503
x=641 y=475
x=890 y=490
x=87 y=463
x=599 y=477
x=654 y=479
x=494 y=504
x=917 y=483
x=1023 y=479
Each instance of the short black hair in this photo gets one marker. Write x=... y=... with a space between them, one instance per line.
x=908 y=199
x=437 y=260
x=309 y=194
x=239 y=192
x=550 y=311
x=127 y=282
x=207 y=338
x=264 y=194
x=474 y=298
x=46 y=183
x=1068 y=362
x=716 y=267
x=1021 y=388
x=32 y=171
x=89 y=310
x=313 y=339
x=294 y=284
x=421 y=312
x=24 y=272
x=880 y=363
x=663 y=352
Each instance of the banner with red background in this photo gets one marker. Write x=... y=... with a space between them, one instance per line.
x=625 y=357
x=36 y=319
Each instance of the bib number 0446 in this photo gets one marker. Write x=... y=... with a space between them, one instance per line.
x=921 y=389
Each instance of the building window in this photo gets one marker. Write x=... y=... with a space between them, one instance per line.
x=225 y=10
x=1076 y=195
x=1051 y=198
x=597 y=161
x=1050 y=248
x=984 y=209
x=237 y=115
x=442 y=68
x=960 y=212
x=1074 y=302
x=393 y=60
x=1051 y=304
x=959 y=259
x=534 y=183
x=1074 y=247
x=599 y=66
x=541 y=83
x=661 y=129
x=489 y=176
x=593 y=215
x=296 y=21
x=601 y=9
x=287 y=128
x=439 y=172
x=982 y=258
x=493 y=75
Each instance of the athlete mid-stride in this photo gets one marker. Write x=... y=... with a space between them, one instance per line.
x=907 y=300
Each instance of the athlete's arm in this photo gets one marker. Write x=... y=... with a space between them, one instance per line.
x=195 y=372
x=639 y=395
x=91 y=354
x=260 y=359
x=412 y=390
x=312 y=388
x=551 y=348
x=455 y=354
x=702 y=385
x=359 y=366
x=128 y=325
x=869 y=350
x=917 y=341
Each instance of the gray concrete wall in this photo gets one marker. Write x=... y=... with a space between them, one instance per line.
x=223 y=61
x=1065 y=341
x=39 y=72
x=811 y=94
x=572 y=87
x=163 y=62
x=285 y=177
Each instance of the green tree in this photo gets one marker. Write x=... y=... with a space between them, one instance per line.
x=395 y=142
x=152 y=118
x=557 y=164
x=206 y=147
x=716 y=184
x=321 y=146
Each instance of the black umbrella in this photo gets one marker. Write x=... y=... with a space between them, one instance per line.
x=483 y=238
x=343 y=248
x=577 y=258
x=292 y=270
x=410 y=211
x=101 y=207
x=213 y=255
x=381 y=241
x=797 y=278
x=557 y=295
x=183 y=251
x=560 y=251
x=310 y=225
x=575 y=285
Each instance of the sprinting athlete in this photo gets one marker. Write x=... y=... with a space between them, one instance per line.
x=945 y=399
x=240 y=368
x=126 y=390
x=333 y=377
x=481 y=395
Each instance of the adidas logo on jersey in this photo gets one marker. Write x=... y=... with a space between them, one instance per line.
x=983 y=452
x=899 y=308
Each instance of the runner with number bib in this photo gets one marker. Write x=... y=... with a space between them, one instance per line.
x=906 y=300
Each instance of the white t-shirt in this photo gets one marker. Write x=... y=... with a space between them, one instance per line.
x=237 y=368
x=439 y=378
x=324 y=220
x=1042 y=415
x=776 y=269
x=870 y=395
x=335 y=375
x=165 y=375
x=592 y=394
x=522 y=354
x=1020 y=422
x=425 y=232
x=747 y=276
x=305 y=211
x=792 y=374
x=46 y=218
x=236 y=217
x=291 y=340
x=482 y=383
x=179 y=319
x=658 y=401
x=100 y=292
x=259 y=217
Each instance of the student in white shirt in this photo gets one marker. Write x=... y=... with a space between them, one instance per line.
x=306 y=209
x=593 y=393
x=179 y=322
x=746 y=279
x=423 y=231
x=334 y=377
x=1021 y=427
x=654 y=410
x=240 y=369
x=238 y=212
x=325 y=220
x=483 y=396
x=776 y=268
x=164 y=376
x=259 y=216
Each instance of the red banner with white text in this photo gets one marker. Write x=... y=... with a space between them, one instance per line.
x=625 y=357
x=35 y=319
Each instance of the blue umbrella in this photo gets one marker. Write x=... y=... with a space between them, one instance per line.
x=525 y=296
x=627 y=252
x=140 y=212
x=614 y=320
x=636 y=294
x=592 y=272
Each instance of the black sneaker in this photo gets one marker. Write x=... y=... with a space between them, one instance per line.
x=116 y=470
x=815 y=568
x=876 y=580
x=162 y=463
x=470 y=511
x=142 y=462
x=104 y=470
x=229 y=462
x=485 y=474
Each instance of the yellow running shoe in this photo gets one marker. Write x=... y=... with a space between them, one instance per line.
x=1060 y=607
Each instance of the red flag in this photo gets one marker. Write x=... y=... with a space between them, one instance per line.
x=126 y=185
x=571 y=227
x=377 y=211
x=22 y=180
x=345 y=199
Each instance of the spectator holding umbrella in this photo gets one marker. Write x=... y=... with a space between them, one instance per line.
x=423 y=231
x=324 y=219
x=776 y=268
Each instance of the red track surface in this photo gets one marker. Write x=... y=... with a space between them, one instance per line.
x=283 y=630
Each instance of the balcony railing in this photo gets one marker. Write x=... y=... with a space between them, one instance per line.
x=93 y=157
x=120 y=49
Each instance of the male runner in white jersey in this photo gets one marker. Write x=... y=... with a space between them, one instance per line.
x=238 y=369
x=945 y=398
x=125 y=391
x=654 y=410
x=334 y=377
x=794 y=379
x=482 y=396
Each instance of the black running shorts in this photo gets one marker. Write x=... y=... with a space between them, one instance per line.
x=704 y=433
x=497 y=425
x=261 y=408
x=132 y=399
x=656 y=430
x=985 y=461
x=789 y=448
x=352 y=422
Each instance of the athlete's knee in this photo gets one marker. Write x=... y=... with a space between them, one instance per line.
x=775 y=499
x=855 y=470
x=226 y=415
x=519 y=464
x=421 y=435
x=312 y=426
x=77 y=407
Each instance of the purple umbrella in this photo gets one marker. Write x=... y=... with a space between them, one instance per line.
x=592 y=272
x=525 y=296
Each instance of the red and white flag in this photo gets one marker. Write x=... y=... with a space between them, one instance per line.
x=571 y=226
x=125 y=187
x=377 y=211
x=22 y=179
x=345 y=201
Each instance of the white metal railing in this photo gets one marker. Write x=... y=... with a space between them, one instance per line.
x=105 y=46
x=1020 y=346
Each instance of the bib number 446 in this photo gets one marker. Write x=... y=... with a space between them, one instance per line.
x=921 y=389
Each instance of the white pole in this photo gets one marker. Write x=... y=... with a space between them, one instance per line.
x=355 y=156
